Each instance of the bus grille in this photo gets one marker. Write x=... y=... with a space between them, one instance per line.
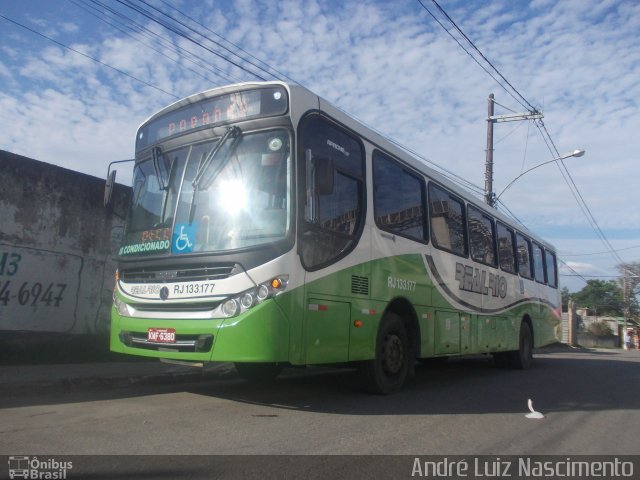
x=180 y=274
x=176 y=307
x=183 y=343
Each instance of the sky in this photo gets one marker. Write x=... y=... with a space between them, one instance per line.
x=387 y=63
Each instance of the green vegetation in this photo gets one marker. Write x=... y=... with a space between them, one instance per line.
x=600 y=329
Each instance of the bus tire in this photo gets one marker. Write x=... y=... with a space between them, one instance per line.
x=259 y=372
x=387 y=372
x=522 y=358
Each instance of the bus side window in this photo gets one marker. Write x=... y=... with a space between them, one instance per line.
x=506 y=248
x=538 y=263
x=333 y=217
x=398 y=199
x=524 y=256
x=482 y=237
x=552 y=277
x=447 y=218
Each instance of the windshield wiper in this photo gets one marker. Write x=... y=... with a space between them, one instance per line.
x=168 y=190
x=233 y=133
x=159 y=166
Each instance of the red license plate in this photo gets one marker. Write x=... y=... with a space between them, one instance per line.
x=161 y=335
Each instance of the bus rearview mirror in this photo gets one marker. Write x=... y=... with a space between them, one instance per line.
x=108 y=188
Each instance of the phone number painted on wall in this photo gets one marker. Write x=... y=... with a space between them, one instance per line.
x=32 y=294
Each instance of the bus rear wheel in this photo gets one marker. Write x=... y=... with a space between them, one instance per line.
x=522 y=358
x=259 y=372
x=389 y=369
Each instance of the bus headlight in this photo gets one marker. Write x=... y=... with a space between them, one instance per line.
x=230 y=308
x=250 y=298
x=121 y=307
x=262 y=293
x=246 y=301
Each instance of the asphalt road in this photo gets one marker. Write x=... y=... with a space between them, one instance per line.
x=590 y=400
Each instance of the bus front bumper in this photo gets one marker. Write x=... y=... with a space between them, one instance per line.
x=258 y=335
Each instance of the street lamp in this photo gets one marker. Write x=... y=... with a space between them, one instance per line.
x=575 y=153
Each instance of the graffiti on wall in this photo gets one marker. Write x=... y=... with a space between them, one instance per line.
x=38 y=289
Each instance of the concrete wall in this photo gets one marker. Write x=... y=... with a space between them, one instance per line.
x=56 y=247
x=591 y=341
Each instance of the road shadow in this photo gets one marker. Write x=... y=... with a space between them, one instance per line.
x=558 y=382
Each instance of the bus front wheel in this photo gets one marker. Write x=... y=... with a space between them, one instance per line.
x=389 y=369
x=259 y=372
x=523 y=357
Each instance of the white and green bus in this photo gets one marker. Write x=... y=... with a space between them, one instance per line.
x=268 y=228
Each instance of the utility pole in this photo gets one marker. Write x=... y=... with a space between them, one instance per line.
x=489 y=196
x=625 y=309
x=488 y=168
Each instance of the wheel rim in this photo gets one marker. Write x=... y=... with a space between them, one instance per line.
x=392 y=354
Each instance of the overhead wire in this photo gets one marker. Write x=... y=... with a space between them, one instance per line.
x=280 y=75
x=447 y=173
x=576 y=192
x=120 y=25
x=104 y=13
x=570 y=268
x=526 y=147
x=122 y=72
x=182 y=34
x=598 y=253
x=172 y=28
x=514 y=93
x=503 y=106
x=511 y=91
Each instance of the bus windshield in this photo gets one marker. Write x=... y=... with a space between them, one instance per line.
x=245 y=202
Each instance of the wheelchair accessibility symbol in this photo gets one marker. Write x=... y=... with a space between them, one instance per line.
x=184 y=237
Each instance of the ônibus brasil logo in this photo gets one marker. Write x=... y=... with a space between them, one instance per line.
x=34 y=468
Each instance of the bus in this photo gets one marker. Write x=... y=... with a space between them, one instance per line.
x=268 y=228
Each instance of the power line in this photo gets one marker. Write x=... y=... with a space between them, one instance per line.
x=120 y=22
x=531 y=107
x=154 y=18
x=576 y=273
x=186 y=36
x=598 y=253
x=525 y=103
x=577 y=195
x=90 y=57
x=279 y=75
x=511 y=91
x=590 y=276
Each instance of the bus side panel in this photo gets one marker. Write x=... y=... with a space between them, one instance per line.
x=404 y=278
x=332 y=304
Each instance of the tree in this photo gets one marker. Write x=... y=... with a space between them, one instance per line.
x=601 y=298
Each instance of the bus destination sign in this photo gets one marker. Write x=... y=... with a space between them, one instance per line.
x=231 y=107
